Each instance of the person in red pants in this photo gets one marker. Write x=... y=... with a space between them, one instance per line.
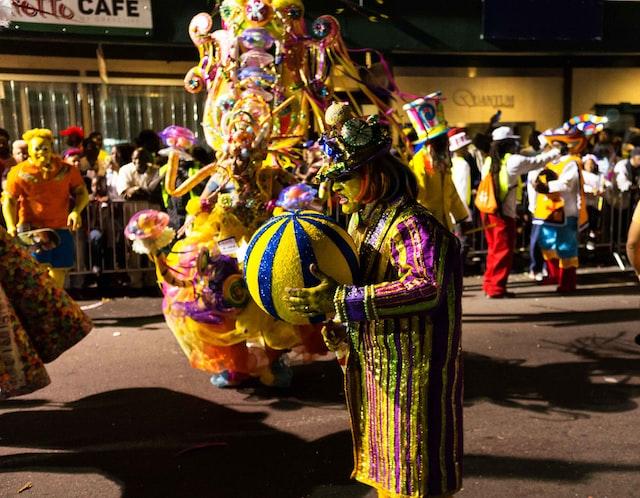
x=500 y=229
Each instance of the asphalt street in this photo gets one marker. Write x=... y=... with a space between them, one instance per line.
x=551 y=409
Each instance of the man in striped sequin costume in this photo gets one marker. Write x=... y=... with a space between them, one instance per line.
x=401 y=322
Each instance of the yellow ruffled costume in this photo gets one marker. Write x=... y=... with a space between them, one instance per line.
x=247 y=339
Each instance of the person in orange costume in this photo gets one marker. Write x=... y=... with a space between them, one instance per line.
x=37 y=196
x=561 y=208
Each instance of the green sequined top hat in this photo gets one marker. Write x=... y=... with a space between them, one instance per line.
x=350 y=141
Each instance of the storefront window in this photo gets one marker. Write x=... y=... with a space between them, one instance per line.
x=10 y=115
x=120 y=112
x=37 y=105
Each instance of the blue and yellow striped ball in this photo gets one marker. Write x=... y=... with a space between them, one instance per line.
x=281 y=251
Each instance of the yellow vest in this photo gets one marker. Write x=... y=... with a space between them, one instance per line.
x=503 y=178
x=165 y=195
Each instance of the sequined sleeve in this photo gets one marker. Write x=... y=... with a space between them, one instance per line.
x=418 y=250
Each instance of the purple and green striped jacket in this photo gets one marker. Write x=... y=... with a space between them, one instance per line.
x=404 y=372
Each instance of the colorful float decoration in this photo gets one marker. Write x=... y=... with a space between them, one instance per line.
x=267 y=81
x=589 y=124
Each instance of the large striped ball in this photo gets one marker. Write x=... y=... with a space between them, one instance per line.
x=281 y=251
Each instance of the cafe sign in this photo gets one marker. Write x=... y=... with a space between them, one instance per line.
x=114 y=17
x=466 y=98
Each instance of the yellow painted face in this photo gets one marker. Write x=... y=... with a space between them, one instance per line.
x=40 y=152
x=349 y=190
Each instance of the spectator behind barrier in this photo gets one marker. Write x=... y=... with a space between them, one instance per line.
x=6 y=159
x=96 y=137
x=99 y=221
x=605 y=157
x=91 y=164
x=149 y=140
x=20 y=151
x=73 y=157
x=120 y=155
x=138 y=180
x=75 y=136
x=627 y=171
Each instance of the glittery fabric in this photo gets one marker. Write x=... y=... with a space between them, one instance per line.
x=404 y=372
x=40 y=321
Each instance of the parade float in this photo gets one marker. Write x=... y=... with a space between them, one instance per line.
x=268 y=80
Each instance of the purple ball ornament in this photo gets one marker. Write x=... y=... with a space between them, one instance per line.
x=325 y=29
x=146 y=224
x=256 y=58
x=257 y=74
x=299 y=196
x=256 y=38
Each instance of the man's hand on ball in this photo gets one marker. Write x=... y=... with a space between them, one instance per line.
x=313 y=301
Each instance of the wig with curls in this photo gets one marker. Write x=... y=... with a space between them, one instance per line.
x=385 y=179
x=43 y=133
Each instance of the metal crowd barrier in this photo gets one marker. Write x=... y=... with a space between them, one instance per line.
x=615 y=221
x=101 y=247
x=610 y=228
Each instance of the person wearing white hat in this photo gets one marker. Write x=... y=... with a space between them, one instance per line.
x=460 y=167
x=507 y=167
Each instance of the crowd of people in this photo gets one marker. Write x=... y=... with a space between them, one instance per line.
x=118 y=183
x=564 y=187
x=596 y=185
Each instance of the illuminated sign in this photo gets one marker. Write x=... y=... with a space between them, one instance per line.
x=117 y=17
x=466 y=98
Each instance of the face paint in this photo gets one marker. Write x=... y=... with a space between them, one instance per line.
x=40 y=152
x=349 y=190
